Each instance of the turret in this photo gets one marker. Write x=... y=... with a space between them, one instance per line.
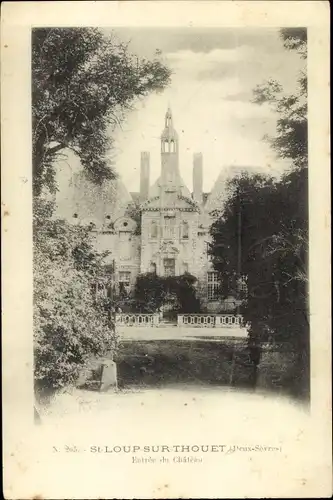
x=169 y=152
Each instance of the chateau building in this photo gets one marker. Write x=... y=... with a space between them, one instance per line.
x=163 y=228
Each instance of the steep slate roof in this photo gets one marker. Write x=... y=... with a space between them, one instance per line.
x=217 y=197
x=155 y=188
x=135 y=196
x=94 y=201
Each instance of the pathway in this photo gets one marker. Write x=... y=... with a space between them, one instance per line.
x=177 y=333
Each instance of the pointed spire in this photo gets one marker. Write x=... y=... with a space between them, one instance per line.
x=169 y=131
x=168 y=118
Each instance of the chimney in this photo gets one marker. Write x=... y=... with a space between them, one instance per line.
x=144 y=175
x=197 y=177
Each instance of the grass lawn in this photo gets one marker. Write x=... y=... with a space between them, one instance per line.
x=160 y=362
x=202 y=362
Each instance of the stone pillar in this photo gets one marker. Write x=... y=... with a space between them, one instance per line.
x=144 y=175
x=109 y=375
x=197 y=177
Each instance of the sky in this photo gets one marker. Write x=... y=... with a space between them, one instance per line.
x=214 y=72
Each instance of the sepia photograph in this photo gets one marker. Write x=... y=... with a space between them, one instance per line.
x=173 y=204
x=170 y=211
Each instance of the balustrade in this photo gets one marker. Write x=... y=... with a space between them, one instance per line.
x=140 y=319
x=201 y=320
x=228 y=320
x=210 y=320
x=185 y=320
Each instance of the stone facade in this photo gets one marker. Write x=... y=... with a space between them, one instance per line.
x=172 y=236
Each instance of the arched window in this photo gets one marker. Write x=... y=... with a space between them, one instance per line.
x=185 y=230
x=153 y=267
x=153 y=230
x=172 y=146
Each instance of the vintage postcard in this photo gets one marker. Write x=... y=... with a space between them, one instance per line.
x=166 y=257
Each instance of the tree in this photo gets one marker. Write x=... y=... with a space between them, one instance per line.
x=151 y=292
x=82 y=82
x=70 y=326
x=268 y=220
x=272 y=258
x=291 y=139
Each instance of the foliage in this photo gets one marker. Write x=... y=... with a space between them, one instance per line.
x=69 y=324
x=152 y=291
x=291 y=140
x=262 y=230
x=83 y=84
x=83 y=81
x=273 y=239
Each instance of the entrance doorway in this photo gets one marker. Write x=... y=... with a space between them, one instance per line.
x=169 y=267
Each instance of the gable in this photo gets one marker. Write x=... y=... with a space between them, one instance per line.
x=170 y=201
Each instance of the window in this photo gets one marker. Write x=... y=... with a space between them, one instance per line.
x=212 y=285
x=185 y=230
x=172 y=147
x=169 y=227
x=209 y=256
x=153 y=230
x=124 y=283
x=125 y=278
x=169 y=267
x=153 y=267
x=242 y=284
x=185 y=267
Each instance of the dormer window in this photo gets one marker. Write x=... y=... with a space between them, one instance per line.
x=75 y=216
x=185 y=230
x=153 y=230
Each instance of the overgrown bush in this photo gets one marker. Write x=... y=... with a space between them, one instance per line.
x=70 y=325
x=152 y=292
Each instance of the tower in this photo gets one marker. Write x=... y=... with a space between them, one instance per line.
x=169 y=155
